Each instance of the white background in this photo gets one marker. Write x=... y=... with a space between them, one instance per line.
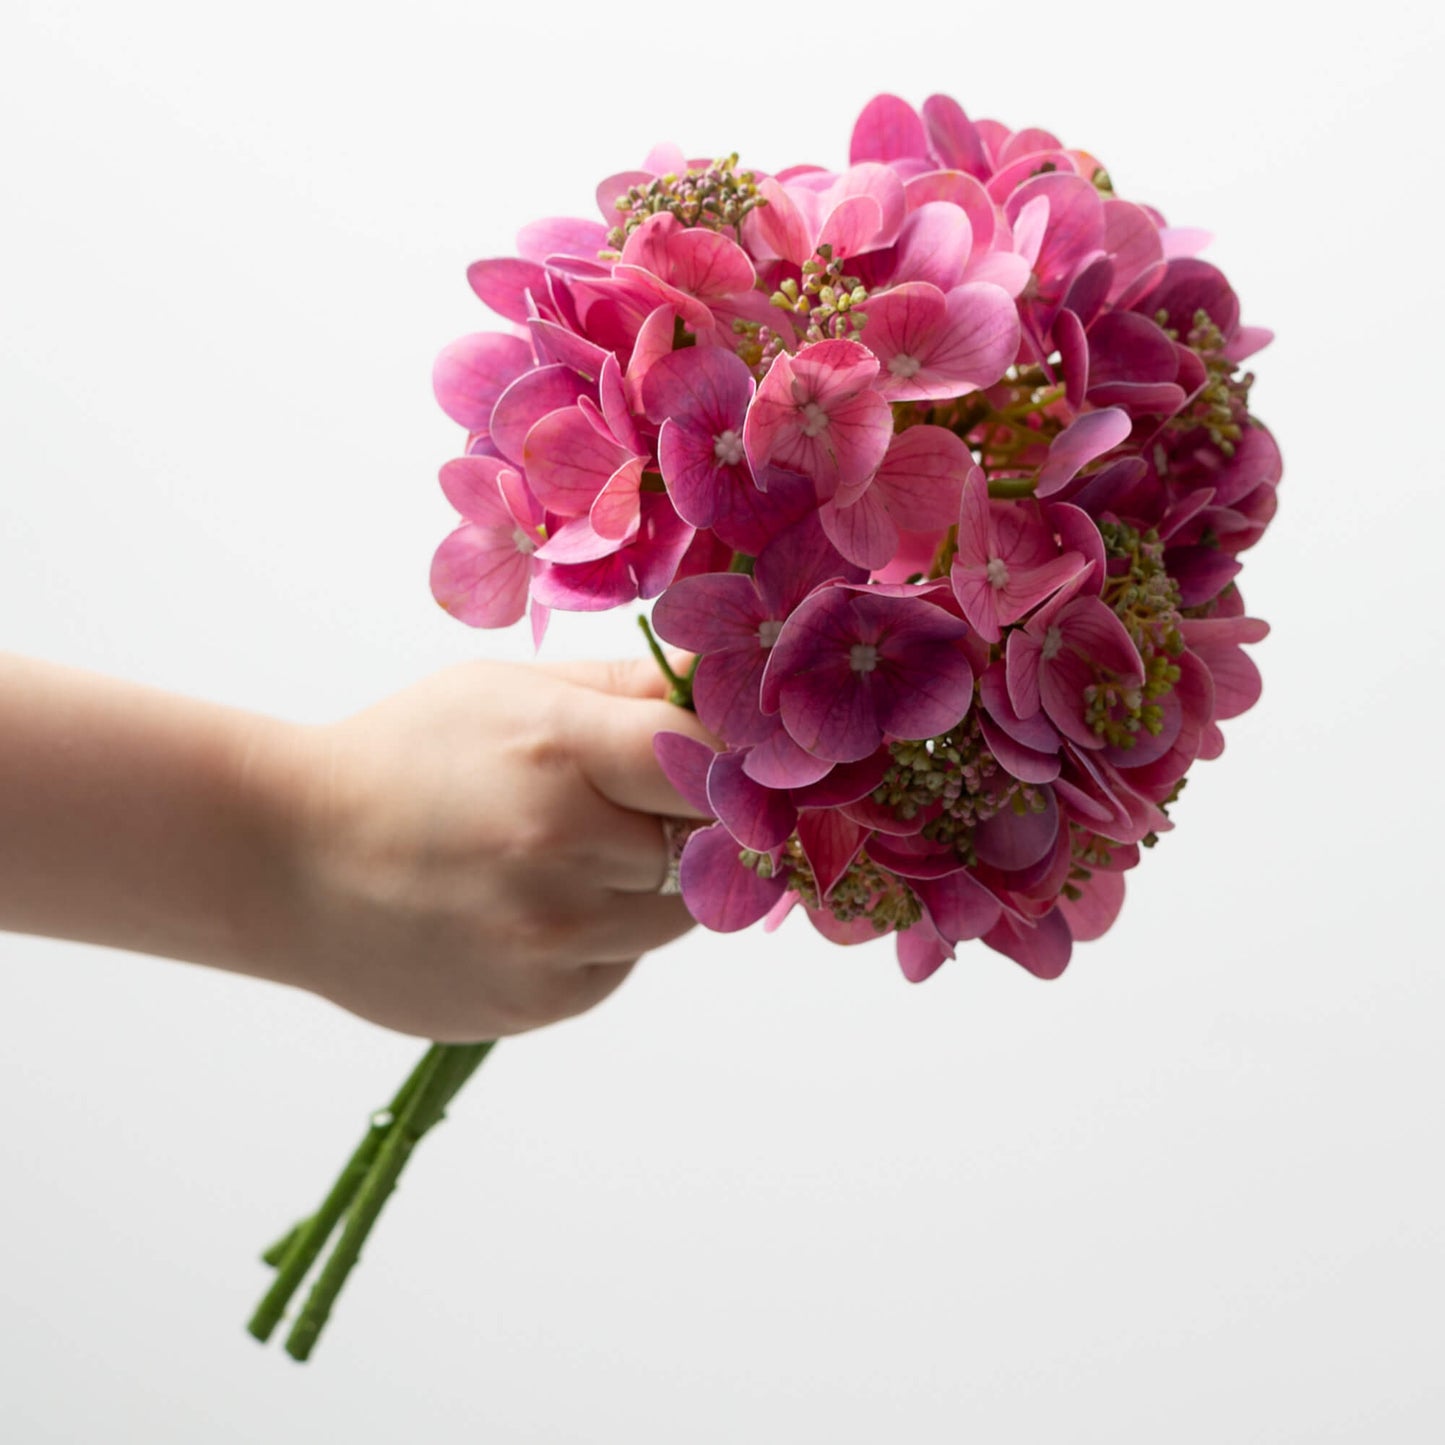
x=768 y=1192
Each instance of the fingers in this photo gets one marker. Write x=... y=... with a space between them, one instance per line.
x=625 y=851
x=624 y=927
x=611 y=739
x=622 y=677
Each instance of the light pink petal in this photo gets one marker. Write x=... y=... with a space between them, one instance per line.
x=887 y=130
x=1183 y=241
x=851 y=226
x=1028 y=142
x=862 y=531
x=1005 y=269
x=719 y=892
x=705 y=386
x=781 y=225
x=503 y=283
x=1247 y=340
x=614 y=188
x=654 y=341
x=1030 y=223
x=527 y=400
x=1076 y=222
x=480 y=577
x=612 y=399
x=561 y=236
x=1081 y=442
x=472 y=373
x=922 y=476
x=577 y=540
x=617 y=509
x=880 y=182
x=556 y=344
x=595 y=586
x=980 y=339
x=568 y=462
x=1132 y=239
x=953 y=137
x=934 y=246
x=904 y=325
x=470 y=485
x=1024 y=654
x=960 y=190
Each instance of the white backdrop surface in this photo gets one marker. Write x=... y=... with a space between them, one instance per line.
x=769 y=1192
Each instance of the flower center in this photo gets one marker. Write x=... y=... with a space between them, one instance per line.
x=903 y=365
x=815 y=419
x=862 y=657
x=768 y=632
x=996 y=572
x=1053 y=641
x=523 y=543
x=728 y=448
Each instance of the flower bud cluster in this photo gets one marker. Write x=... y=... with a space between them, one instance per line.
x=942 y=465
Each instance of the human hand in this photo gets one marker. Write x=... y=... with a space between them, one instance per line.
x=480 y=854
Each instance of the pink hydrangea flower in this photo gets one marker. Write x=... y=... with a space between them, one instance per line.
x=942 y=463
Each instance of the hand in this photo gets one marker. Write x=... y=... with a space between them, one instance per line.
x=480 y=854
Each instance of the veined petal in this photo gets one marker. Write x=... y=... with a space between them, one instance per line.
x=472 y=373
x=888 y=129
x=480 y=577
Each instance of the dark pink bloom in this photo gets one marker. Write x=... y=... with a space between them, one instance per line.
x=1068 y=648
x=732 y=621
x=1007 y=561
x=853 y=663
x=816 y=413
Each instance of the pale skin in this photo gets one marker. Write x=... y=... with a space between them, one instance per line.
x=475 y=856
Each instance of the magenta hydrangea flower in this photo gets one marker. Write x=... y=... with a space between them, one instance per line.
x=853 y=662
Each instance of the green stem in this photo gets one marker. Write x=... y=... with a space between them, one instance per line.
x=276 y=1254
x=308 y=1238
x=680 y=688
x=442 y=1073
x=1010 y=487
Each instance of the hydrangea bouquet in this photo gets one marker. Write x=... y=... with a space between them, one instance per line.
x=940 y=465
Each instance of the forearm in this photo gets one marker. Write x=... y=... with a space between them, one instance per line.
x=142 y=820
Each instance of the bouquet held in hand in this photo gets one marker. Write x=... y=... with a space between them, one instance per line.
x=939 y=465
